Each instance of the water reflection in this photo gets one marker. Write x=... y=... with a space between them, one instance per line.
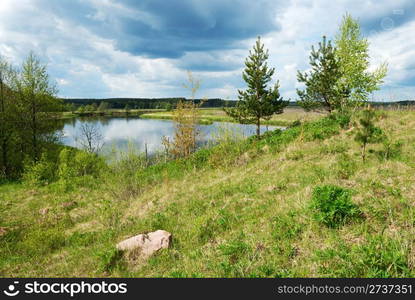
x=120 y=132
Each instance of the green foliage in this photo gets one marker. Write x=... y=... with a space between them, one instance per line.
x=41 y=172
x=28 y=115
x=332 y=206
x=75 y=163
x=37 y=102
x=352 y=53
x=321 y=82
x=77 y=167
x=390 y=149
x=257 y=102
x=343 y=118
x=368 y=133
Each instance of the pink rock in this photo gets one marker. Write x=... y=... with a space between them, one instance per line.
x=148 y=243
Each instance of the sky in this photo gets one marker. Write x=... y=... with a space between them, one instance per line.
x=144 y=48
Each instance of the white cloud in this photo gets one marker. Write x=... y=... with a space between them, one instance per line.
x=87 y=64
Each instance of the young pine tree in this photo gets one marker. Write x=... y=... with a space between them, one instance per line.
x=321 y=88
x=368 y=133
x=257 y=101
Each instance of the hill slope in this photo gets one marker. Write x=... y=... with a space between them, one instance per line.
x=239 y=210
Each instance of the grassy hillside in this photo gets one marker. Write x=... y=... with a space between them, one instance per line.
x=240 y=209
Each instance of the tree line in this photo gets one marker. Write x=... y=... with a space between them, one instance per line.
x=139 y=103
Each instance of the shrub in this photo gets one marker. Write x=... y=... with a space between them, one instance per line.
x=41 y=172
x=390 y=149
x=75 y=163
x=342 y=118
x=332 y=205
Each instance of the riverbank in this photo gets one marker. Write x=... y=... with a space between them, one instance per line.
x=285 y=119
x=207 y=115
x=110 y=113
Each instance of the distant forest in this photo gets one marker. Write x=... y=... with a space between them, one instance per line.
x=169 y=103
x=148 y=103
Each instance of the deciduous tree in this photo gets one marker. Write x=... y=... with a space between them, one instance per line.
x=352 y=53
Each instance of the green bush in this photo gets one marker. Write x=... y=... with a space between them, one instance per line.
x=332 y=205
x=41 y=172
x=390 y=149
x=342 y=118
x=76 y=163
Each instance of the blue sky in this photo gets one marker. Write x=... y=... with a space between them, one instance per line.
x=143 y=48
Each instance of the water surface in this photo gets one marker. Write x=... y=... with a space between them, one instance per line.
x=118 y=133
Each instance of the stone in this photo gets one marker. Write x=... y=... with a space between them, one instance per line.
x=147 y=243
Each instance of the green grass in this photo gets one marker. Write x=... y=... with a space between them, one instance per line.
x=210 y=115
x=239 y=209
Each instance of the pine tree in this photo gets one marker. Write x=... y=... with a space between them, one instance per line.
x=257 y=101
x=368 y=133
x=321 y=88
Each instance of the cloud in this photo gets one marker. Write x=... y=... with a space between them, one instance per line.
x=108 y=48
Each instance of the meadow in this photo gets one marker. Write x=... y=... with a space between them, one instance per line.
x=243 y=208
